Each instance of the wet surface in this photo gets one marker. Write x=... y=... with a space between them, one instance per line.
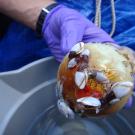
x=51 y=122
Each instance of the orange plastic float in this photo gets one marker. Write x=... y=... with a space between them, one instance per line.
x=95 y=79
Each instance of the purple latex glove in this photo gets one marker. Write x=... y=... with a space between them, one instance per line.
x=64 y=27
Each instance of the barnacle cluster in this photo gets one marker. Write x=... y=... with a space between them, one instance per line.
x=95 y=79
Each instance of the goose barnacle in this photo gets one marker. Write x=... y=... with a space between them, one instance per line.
x=81 y=79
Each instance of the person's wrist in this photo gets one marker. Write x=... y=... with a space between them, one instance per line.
x=42 y=17
x=39 y=8
x=25 y=11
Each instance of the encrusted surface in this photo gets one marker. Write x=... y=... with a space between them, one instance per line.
x=89 y=71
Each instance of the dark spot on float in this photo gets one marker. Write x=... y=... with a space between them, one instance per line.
x=72 y=54
x=107 y=98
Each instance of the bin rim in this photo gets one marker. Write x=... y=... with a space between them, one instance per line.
x=23 y=68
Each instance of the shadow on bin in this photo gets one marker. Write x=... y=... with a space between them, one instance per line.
x=28 y=106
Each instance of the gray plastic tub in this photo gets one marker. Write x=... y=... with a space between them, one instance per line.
x=28 y=106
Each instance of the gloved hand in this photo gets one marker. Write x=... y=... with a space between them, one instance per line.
x=64 y=27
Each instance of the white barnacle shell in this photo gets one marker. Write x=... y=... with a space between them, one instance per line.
x=97 y=110
x=59 y=89
x=65 y=109
x=90 y=101
x=72 y=63
x=121 y=89
x=78 y=48
x=81 y=79
x=113 y=101
x=90 y=73
x=85 y=52
x=101 y=77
